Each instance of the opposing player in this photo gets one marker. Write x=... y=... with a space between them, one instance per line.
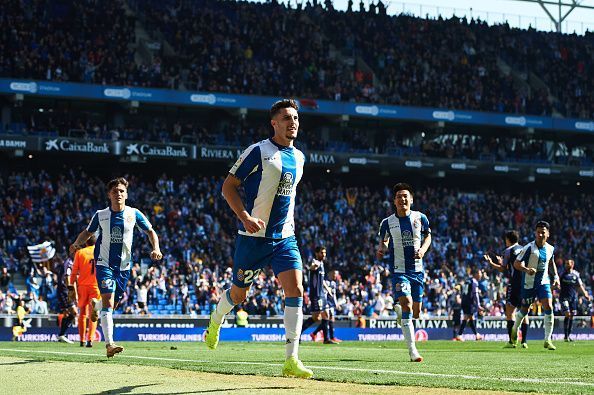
x=331 y=285
x=471 y=304
x=113 y=253
x=513 y=294
x=570 y=284
x=406 y=236
x=537 y=262
x=84 y=279
x=317 y=295
x=66 y=298
x=269 y=171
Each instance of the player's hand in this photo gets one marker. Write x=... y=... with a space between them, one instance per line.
x=72 y=296
x=380 y=253
x=156 y=255
x=73 y=248
x=419 y=254
x=556 y=284
x=488 y=259
x=252 y=224
x=530 y=271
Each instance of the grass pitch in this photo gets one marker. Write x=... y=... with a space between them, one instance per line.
x=350 y=367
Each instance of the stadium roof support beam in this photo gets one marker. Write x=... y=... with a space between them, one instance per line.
x=572 y=4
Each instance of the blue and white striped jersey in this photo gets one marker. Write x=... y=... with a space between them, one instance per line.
x=537 y=258
x=270 y=173
x=404 y=236
x=114 y=243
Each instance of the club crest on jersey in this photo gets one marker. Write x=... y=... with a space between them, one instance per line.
x=116 y=235
x=417 y=223
x=407 y=239
x=240 y=275
x=285 y=187
x=130 y=219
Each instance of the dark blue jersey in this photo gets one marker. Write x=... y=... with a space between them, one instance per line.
x=470 y=292
x=570 y=281
x=510 y=255
x=316 y=280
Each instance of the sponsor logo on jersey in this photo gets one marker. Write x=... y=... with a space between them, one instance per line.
x=116 y=235
x=285 y=187
x=407 y=239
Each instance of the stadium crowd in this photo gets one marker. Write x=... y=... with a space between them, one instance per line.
x=197 y=232
x=310 y=51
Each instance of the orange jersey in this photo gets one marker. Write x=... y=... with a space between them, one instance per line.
x=83 y=270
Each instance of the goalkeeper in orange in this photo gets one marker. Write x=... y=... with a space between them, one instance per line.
x=83 y=276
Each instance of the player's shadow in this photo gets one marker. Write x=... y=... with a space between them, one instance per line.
x=237 y=389
x=20 y=362
x=128 y=389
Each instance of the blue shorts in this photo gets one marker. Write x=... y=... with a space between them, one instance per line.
x=409 y=284
x=112 y=280
x=539 y=291
x=252 y=254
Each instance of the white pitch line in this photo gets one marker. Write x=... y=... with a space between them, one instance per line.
x=335 y=368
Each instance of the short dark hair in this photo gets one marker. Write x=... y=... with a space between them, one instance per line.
x=513 y=236
x=543 y=224
x=284 y=103
x=402 y=186
x=319 y=249
x=475 y=270
x=116 y=181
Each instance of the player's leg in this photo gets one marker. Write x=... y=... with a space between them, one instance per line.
x=466 y=312
x=527 y=296
x=569 y=309
x=287 y=265
x=329 y=327
x=94 y=295
x=546 y=300
x=251 y=254
x=83 y=301
x=331 y=320
x=403 y=291
x=106 y=279
x=509 y=316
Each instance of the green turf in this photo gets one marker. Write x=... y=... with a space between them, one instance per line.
x=469 y=365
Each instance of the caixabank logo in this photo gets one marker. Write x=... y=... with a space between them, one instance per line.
x=67 y=145
x=167 y=151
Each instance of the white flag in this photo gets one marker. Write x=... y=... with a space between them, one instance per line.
x=42 y=252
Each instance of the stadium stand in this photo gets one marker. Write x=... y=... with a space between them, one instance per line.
x=311 y=51
x=197 y=236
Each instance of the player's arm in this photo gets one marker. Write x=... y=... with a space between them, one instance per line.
x=231 y=195
x=314 y=265
x=85 y=235
x=583 y=290
x=553 y=273
x=519 y=264
x=80 y=241
x=384 y=237
x=498 y=266
x=72 y=280
x=426 y=232
x=154 y=240
x=420 y=253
